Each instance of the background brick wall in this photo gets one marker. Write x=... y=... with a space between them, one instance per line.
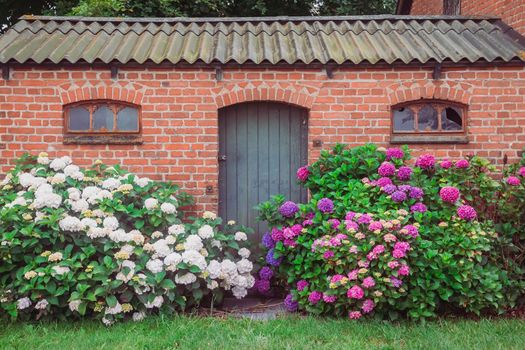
x=179 y=109
x=511 y=12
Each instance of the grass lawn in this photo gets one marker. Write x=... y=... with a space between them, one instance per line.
x=284 y=333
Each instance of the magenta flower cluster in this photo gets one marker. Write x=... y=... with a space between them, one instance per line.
x=303 y=173
x=426 y=161
x=449 y=194
x=394 y=153
x=288 y=209
x=466 y=212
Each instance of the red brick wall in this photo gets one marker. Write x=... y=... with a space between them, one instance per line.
x=180 y=112
x=511 y=12
x=427 y=7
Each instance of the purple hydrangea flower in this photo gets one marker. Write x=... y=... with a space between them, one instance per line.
x=334 y=223
x=268 y=241
x=271 y=260
x=399 y=196
x=290 y=304
x=368 y=306
x=364 y=219
x=383 y=181
x=288 y=209
x=416 y=193
x=389 y=189
x=277 y=235
x=419 y=208
x=394 y=153
x=314 y=297
x=266 y=273
x=396 y=282
x=262 y=286
x=411 y=230
x=386 y=169
x=466 y=212
x=404 y=173
x=405 y=188
x=426 y=161
x=325 y=205
x=350 y=215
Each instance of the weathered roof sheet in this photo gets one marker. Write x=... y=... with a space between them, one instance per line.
x=370 y=39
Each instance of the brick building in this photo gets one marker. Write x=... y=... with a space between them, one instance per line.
x=229 y=108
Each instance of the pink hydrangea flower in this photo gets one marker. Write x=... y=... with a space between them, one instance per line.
x=336 y=278
x=328 y=254
x=297 y=229
x=449 y=194
x=521 y=172
x=466 y=212
x=364 y=219
x=386 y=169
x=334 y=223
x=355 y=292
x=513 y=181
x=368 y=282
x=368 y=306
x=389 y=238
x=375 y=225
x=445 y=164
x=426 y=161
x=404 y=270
x=329 y=298
x=289 y=243
x=404 y=246
x=353 y=249
x=379 y=249
x=383 y=181
x=410 y=230
x=394 y=153
x=314 y=297
x=301 y=285
x=303 y=173
x=352 y=275
x=277 y=235
x=398 y=253
x=354 y=315
x=404 y=173
x=288 y=233
x=393 y=264
x=462 y=164
x=350 y=215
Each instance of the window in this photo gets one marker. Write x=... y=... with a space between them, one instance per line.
x=429 y=120
x=102 y=122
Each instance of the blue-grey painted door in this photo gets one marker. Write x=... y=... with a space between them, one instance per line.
x=261 y=146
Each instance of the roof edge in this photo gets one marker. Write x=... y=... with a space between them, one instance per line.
x=251 y=19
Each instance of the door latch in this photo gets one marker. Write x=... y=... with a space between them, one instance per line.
x=222 y=158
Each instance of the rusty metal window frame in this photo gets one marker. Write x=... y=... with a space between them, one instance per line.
x=439 y=106
x=92 y=106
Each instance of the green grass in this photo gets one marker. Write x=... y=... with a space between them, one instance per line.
x=285 y=333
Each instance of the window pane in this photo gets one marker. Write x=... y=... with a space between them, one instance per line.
x=78 y=119
x=451 y=119
x=103 y=119
x=128 y=119
x=403 y=119
x=428 y=119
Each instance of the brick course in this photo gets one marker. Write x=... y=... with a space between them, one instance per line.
x=180 y=108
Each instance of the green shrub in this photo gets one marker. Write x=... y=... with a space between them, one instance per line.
x=103 y=242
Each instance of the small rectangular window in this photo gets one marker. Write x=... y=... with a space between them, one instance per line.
x=102 y=122
x=452 y=7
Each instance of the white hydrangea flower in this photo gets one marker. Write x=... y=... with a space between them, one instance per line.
x=142 y=182
x=117 y=309
x=154 y=265
x=244 y=266
x=193 y=257
x=98 y=232
x=172 y=259
x=205 y=231
x=176 y=229
x=58 y=178
x=90 y=193
x=74 y=194
x=26 y=180
x=214 y=269
x=42 y=304
x=55 y=257
x=18 y=201
x=151 y=203
x=209 y=215
x=161 y=248
x=57 y=164
x=71 y=169
x=250 y=281
x=110 y=184
x=111 y=223
x=79 y=206
x=107 y=322
x=60 y=270
x=168 y=208
x=70 y=223
x=239 y=292
x=30 y=275
x=240 y=236
x=193 y=242
x=228 y=267
x=240 y=281
x=138 y=316
x=101 y=195
x=119 y=236
x=137 y=237
x=23 y=303
x=43 y=159
x=212 y=285
x=88 y=223
x=170 y=240
x=244 y=252
x=187 y=278
x=79 y=176
x=156 y=234
x=74 y=305
x=157 y=302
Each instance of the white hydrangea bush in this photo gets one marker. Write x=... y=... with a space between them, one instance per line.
x=106 y=243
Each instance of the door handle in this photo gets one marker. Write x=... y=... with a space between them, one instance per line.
x=222 y=158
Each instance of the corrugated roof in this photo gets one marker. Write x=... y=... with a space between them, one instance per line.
x=369 y=39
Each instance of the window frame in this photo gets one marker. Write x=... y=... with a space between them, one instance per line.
x=439 y=106
x=91 y=105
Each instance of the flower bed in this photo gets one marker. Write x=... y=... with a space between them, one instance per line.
x=103 y=242
x=382 y=237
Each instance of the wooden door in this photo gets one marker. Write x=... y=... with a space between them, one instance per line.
x=261 y=146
